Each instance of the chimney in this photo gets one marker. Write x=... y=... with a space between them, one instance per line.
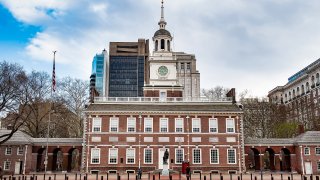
x=300 y=129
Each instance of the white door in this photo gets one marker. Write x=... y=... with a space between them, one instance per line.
x=308 y=167
x=17 y=167
x=160 y=159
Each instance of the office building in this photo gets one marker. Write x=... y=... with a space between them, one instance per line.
x=99 y=73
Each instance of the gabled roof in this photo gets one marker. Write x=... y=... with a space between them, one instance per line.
x=309 y=137
x=17 y=138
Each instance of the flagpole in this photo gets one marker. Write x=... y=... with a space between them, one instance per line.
x=53 y=88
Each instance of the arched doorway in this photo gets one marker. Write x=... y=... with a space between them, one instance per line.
x=254 y=159
x=73 y=160
x=268 y=159
x=285 y=162
x=57 y=160
x=40 y=159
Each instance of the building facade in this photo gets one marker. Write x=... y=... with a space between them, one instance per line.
x=301 y=96
x=127 y=68
x=125 y=135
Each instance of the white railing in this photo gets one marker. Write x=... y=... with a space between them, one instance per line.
x=157 y=99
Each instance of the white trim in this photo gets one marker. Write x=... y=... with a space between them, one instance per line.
x=304 y=151
x=230 y=127
x=193 y=155
x=114 y=119
x=315 y=151
x=96 y=123
x=193 y=124
x=167 y=126
x=175 y=124
x=116 y=150
x=144 y=156
x=4 y=165
x=218 y=157
x=6 y=150
x=134 y=155
x=91 y=155
x=175 y=155
x=144 y=124
x=20 y=154
x=134 y=121
x=235 y=155
x=210 y=125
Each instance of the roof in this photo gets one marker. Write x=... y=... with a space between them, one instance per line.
x=73 y=141
x=17 y=138
x=267 y=141
x=166 y=107
x=308 y=137
x=162 y=32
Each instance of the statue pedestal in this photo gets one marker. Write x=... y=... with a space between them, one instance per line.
x=165 y=170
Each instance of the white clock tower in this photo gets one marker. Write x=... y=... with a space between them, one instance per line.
x=163 y=80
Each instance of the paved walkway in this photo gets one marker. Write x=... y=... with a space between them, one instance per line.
x=145 y=176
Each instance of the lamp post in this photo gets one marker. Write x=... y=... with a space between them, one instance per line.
x=140 y=118
x=188 y=140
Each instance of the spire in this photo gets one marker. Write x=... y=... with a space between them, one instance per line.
x=162 y=23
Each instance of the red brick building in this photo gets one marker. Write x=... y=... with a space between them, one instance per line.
x=125 y=135
x=22 y=154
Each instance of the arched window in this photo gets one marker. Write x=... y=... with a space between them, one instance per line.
x=294 y=93
x=302 y=89
x=162 y=43
x=168 y=43
x=286 y=97
x=312 y=81
x=156 y=45
x=289 y=95
x=318 y=79
x=298 y=91
x=307 y=87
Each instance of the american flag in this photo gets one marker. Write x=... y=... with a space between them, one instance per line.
x=54 y=72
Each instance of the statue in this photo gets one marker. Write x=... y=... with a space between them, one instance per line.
x=165 y=157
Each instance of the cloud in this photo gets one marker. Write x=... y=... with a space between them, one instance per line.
x=252 y=45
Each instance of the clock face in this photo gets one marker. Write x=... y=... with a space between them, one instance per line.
x=163 y=70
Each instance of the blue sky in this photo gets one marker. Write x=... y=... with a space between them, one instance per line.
x=245 y=44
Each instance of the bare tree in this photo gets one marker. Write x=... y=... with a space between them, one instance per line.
x=215 y=93
x=12 y=96
x=75 y=93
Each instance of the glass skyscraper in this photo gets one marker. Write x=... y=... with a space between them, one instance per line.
x=99 y=70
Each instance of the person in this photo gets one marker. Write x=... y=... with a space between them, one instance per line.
x=188 y=172
x=139 y=173
x=165 y=157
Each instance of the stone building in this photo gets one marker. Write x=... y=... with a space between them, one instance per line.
x=301 y=96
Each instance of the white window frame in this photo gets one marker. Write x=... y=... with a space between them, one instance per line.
x=176 y=155
x=234 y=125
x=216 y=149
x=110 y=124
x=131 y=123
x=8 y=150
x=306 y=149
x=318 y=166
x=163 y=119
x=193 y=156
x=193 y=124
x=96 y=124
x=317 y=151
x=20 y=150
x=116 y=157
x=130 y=156
x=144 y=157
x=148 y=122
x=94 y=157
x=211 y=125
x=177 y=125
x=235 y=156
x=6 y=165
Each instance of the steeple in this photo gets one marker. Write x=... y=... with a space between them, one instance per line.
x=162 y=23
